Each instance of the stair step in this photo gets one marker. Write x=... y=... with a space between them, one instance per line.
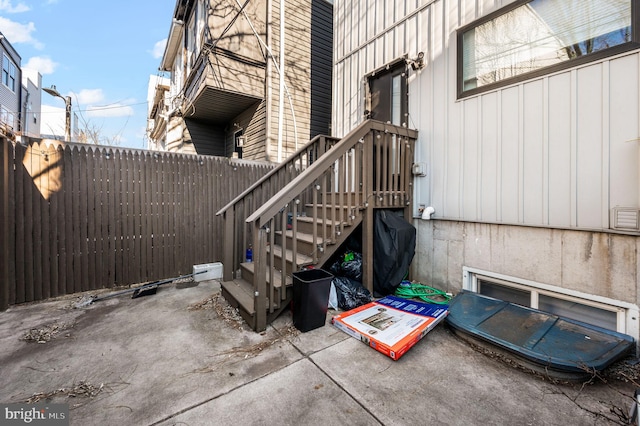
x=346 y=211
x=305 y=242
x=301 y=259
x=241 y=292
x=305 y=225
x=248 y=271
x=334 y=197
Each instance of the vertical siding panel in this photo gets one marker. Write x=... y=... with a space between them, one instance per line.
x=438 y=130
x=468 y=11
x=623 y=81
x=412 y=37
x=470 y=153
x=489 y=158
x=510 y=155
x=606 y=146
x=560 y=150
x=533 y=139
x=454 y=151
x=573 y=163
x=589 y=147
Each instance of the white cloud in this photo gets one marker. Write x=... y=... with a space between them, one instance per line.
x=88 y=96
x=43 y=64
x=19 y=33
x=158 y=49
x=6 y=6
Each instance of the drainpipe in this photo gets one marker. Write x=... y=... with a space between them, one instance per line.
x=281 y=89
x=269 y=89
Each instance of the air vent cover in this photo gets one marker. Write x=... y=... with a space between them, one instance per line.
x=625 y=218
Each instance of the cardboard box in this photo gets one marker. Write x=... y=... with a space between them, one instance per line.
x=213 y=271
x=391 y=325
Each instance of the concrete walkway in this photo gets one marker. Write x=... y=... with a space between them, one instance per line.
x=180 y=357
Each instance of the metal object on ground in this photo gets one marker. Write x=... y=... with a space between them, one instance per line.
x=144 y=290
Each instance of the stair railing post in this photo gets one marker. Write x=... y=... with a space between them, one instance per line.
x=229 y=245
x=367 y=220
x=260 y=236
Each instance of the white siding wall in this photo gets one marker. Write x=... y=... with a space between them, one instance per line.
x=552 y=152
x=557 y=151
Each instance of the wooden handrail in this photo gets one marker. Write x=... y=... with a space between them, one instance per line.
x=302 y=181
x=268 y=176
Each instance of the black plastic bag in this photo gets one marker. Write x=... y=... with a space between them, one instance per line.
x=350 y=293
x=394 y=248
x=348 y=265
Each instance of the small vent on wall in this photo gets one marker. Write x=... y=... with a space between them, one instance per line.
x=625 y=218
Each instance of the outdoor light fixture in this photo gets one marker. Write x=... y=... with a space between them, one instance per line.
x=67 y=104
x=418 y=62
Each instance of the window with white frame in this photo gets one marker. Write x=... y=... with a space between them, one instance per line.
x=532 y=37
x=606 y=313
x=8 y=73
x=6 y=117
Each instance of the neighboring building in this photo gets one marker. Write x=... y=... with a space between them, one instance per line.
x=528 y=115
x=31 y=101
x=10 y=89
x=232 y=92
x=159 y=104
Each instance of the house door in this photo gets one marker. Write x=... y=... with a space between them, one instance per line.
x=387 y=100
x=387 y=95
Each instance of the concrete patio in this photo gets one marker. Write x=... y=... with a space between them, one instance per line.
x=182 y=357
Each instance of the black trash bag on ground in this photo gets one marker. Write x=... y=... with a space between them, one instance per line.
x=394 y=247
x=350 y=293
x=348 y=265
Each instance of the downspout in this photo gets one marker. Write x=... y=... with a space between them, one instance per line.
x=268 y=89
x=281 y=88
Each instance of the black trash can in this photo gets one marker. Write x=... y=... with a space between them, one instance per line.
x=310 y=298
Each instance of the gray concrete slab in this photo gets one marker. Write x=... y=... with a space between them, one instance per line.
x=181 y=357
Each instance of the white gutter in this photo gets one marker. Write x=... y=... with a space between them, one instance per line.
x=173 y=41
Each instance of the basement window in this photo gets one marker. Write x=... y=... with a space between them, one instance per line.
x=608 y=314
x=529 y=38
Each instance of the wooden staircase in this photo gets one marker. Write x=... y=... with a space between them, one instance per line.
x=300 y=213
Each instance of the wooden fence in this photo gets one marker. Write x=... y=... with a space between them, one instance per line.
x=81 y=218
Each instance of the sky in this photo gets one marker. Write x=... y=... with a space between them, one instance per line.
x=101 y=53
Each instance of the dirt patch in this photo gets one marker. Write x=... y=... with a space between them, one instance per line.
x=230 y=315
x=45 y=333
